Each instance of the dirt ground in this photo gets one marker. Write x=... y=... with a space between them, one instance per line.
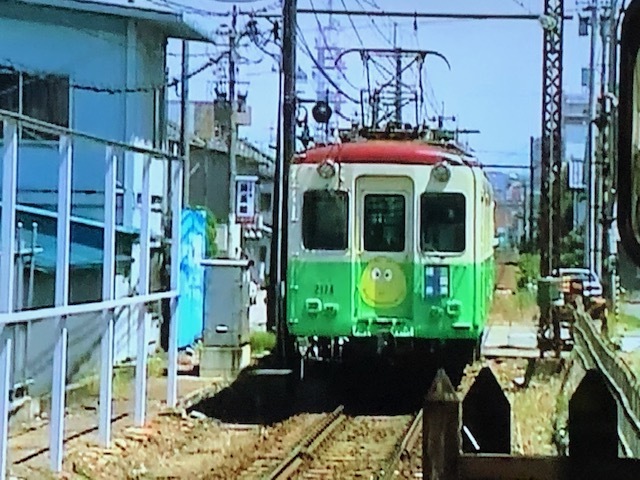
x=28 y=444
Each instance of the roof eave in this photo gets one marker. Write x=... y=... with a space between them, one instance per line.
x=177 y=25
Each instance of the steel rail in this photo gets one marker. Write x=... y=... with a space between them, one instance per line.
x=319 y=433
x=405 y=445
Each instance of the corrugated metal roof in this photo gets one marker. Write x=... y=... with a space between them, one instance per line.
x=177 y=23
x=80 y=256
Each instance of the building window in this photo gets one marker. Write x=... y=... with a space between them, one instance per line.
x=44 y=98
x=265 y=201
x=325 y=220
x=384 y=223
x=442 y=222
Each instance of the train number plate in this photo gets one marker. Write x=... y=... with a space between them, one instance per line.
x=324 y=289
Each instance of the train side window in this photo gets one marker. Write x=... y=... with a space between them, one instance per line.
x=384 y=223
x=442 y=222
x=325 y=220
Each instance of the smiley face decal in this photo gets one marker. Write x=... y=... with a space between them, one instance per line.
x=383 y=284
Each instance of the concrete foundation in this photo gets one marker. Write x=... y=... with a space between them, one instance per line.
x=225 y=362
x=23 y=411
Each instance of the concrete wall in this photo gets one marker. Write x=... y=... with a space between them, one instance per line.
x=629 y=272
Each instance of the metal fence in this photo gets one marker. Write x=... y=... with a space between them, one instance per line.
x=594 y=352
x=109 y=306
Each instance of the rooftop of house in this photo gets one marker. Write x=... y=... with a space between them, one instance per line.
x=175 y=21
x=86 y=239
x=217 y=144
x=80 y=256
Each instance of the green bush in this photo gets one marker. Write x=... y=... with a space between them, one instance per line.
x=528 y=268
x=262 y=341
x=211 y=249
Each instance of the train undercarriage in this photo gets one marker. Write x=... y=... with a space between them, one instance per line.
x=385 y=349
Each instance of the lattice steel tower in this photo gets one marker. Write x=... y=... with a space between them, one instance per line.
x=327 y=51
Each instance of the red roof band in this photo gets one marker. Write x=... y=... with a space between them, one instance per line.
x=380 y=151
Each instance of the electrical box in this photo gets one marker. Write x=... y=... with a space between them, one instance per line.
x=226 y=303
x=548 y=291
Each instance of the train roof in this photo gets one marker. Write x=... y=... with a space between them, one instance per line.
x=386 y=151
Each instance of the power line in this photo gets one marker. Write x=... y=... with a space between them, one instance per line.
x=9 y=67
x=309 y=53
x=326 y=46
x=462 y=16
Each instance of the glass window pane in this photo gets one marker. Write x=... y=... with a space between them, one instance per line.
x=384 y=223
x=325 y=220
x=442 y=222
x=45 y=99
x=9 y=92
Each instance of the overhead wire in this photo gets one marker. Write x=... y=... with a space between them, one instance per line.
x=10 y=67
x=373 y=22
x=327 y=47
x=319 y=67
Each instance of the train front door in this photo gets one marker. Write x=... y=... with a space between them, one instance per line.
x=384 y=240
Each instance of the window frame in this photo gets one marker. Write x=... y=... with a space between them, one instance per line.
x=27 y=139
x=405 y=240
x=420 y=222
x=347 y=223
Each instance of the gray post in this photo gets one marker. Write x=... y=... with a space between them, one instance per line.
x=289 y=11
x=398 y=59
x=441 y=442
x=233 y=137
x=185 y=136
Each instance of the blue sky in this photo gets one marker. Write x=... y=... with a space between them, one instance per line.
x=494 y=85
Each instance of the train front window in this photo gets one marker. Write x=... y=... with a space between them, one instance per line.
x=442 y=222
x=325 y=220
x=384 y=223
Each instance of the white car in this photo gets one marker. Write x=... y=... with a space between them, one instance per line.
x=592 y=287
x=253 y=292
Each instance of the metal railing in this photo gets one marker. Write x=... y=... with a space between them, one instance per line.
x=109 y=304
x=594 y=352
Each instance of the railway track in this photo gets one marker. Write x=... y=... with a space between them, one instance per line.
x=349 y=447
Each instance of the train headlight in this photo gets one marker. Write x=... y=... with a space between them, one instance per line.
x=442 y=172
x=327 y=169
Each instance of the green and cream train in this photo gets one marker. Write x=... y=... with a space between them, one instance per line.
x=390 y=247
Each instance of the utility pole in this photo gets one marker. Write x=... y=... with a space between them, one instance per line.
x=233 y=251
x=601 y=155
x=531 y=196
x=398 y=57
x=184 y=125
x=280 y=230
x=612 y=163
x=606 y=126
x=589 y=160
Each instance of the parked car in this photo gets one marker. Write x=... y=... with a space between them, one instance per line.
x=253 y=292
x=591 y=285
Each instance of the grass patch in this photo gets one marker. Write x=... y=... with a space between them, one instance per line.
x=628 y=322
x=124 y=375
x=262 y=341
x=516 y=307
x=122 y=380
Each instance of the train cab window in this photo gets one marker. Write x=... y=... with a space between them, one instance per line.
x=442 y=222
x=384 y=223
x=325 y=220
